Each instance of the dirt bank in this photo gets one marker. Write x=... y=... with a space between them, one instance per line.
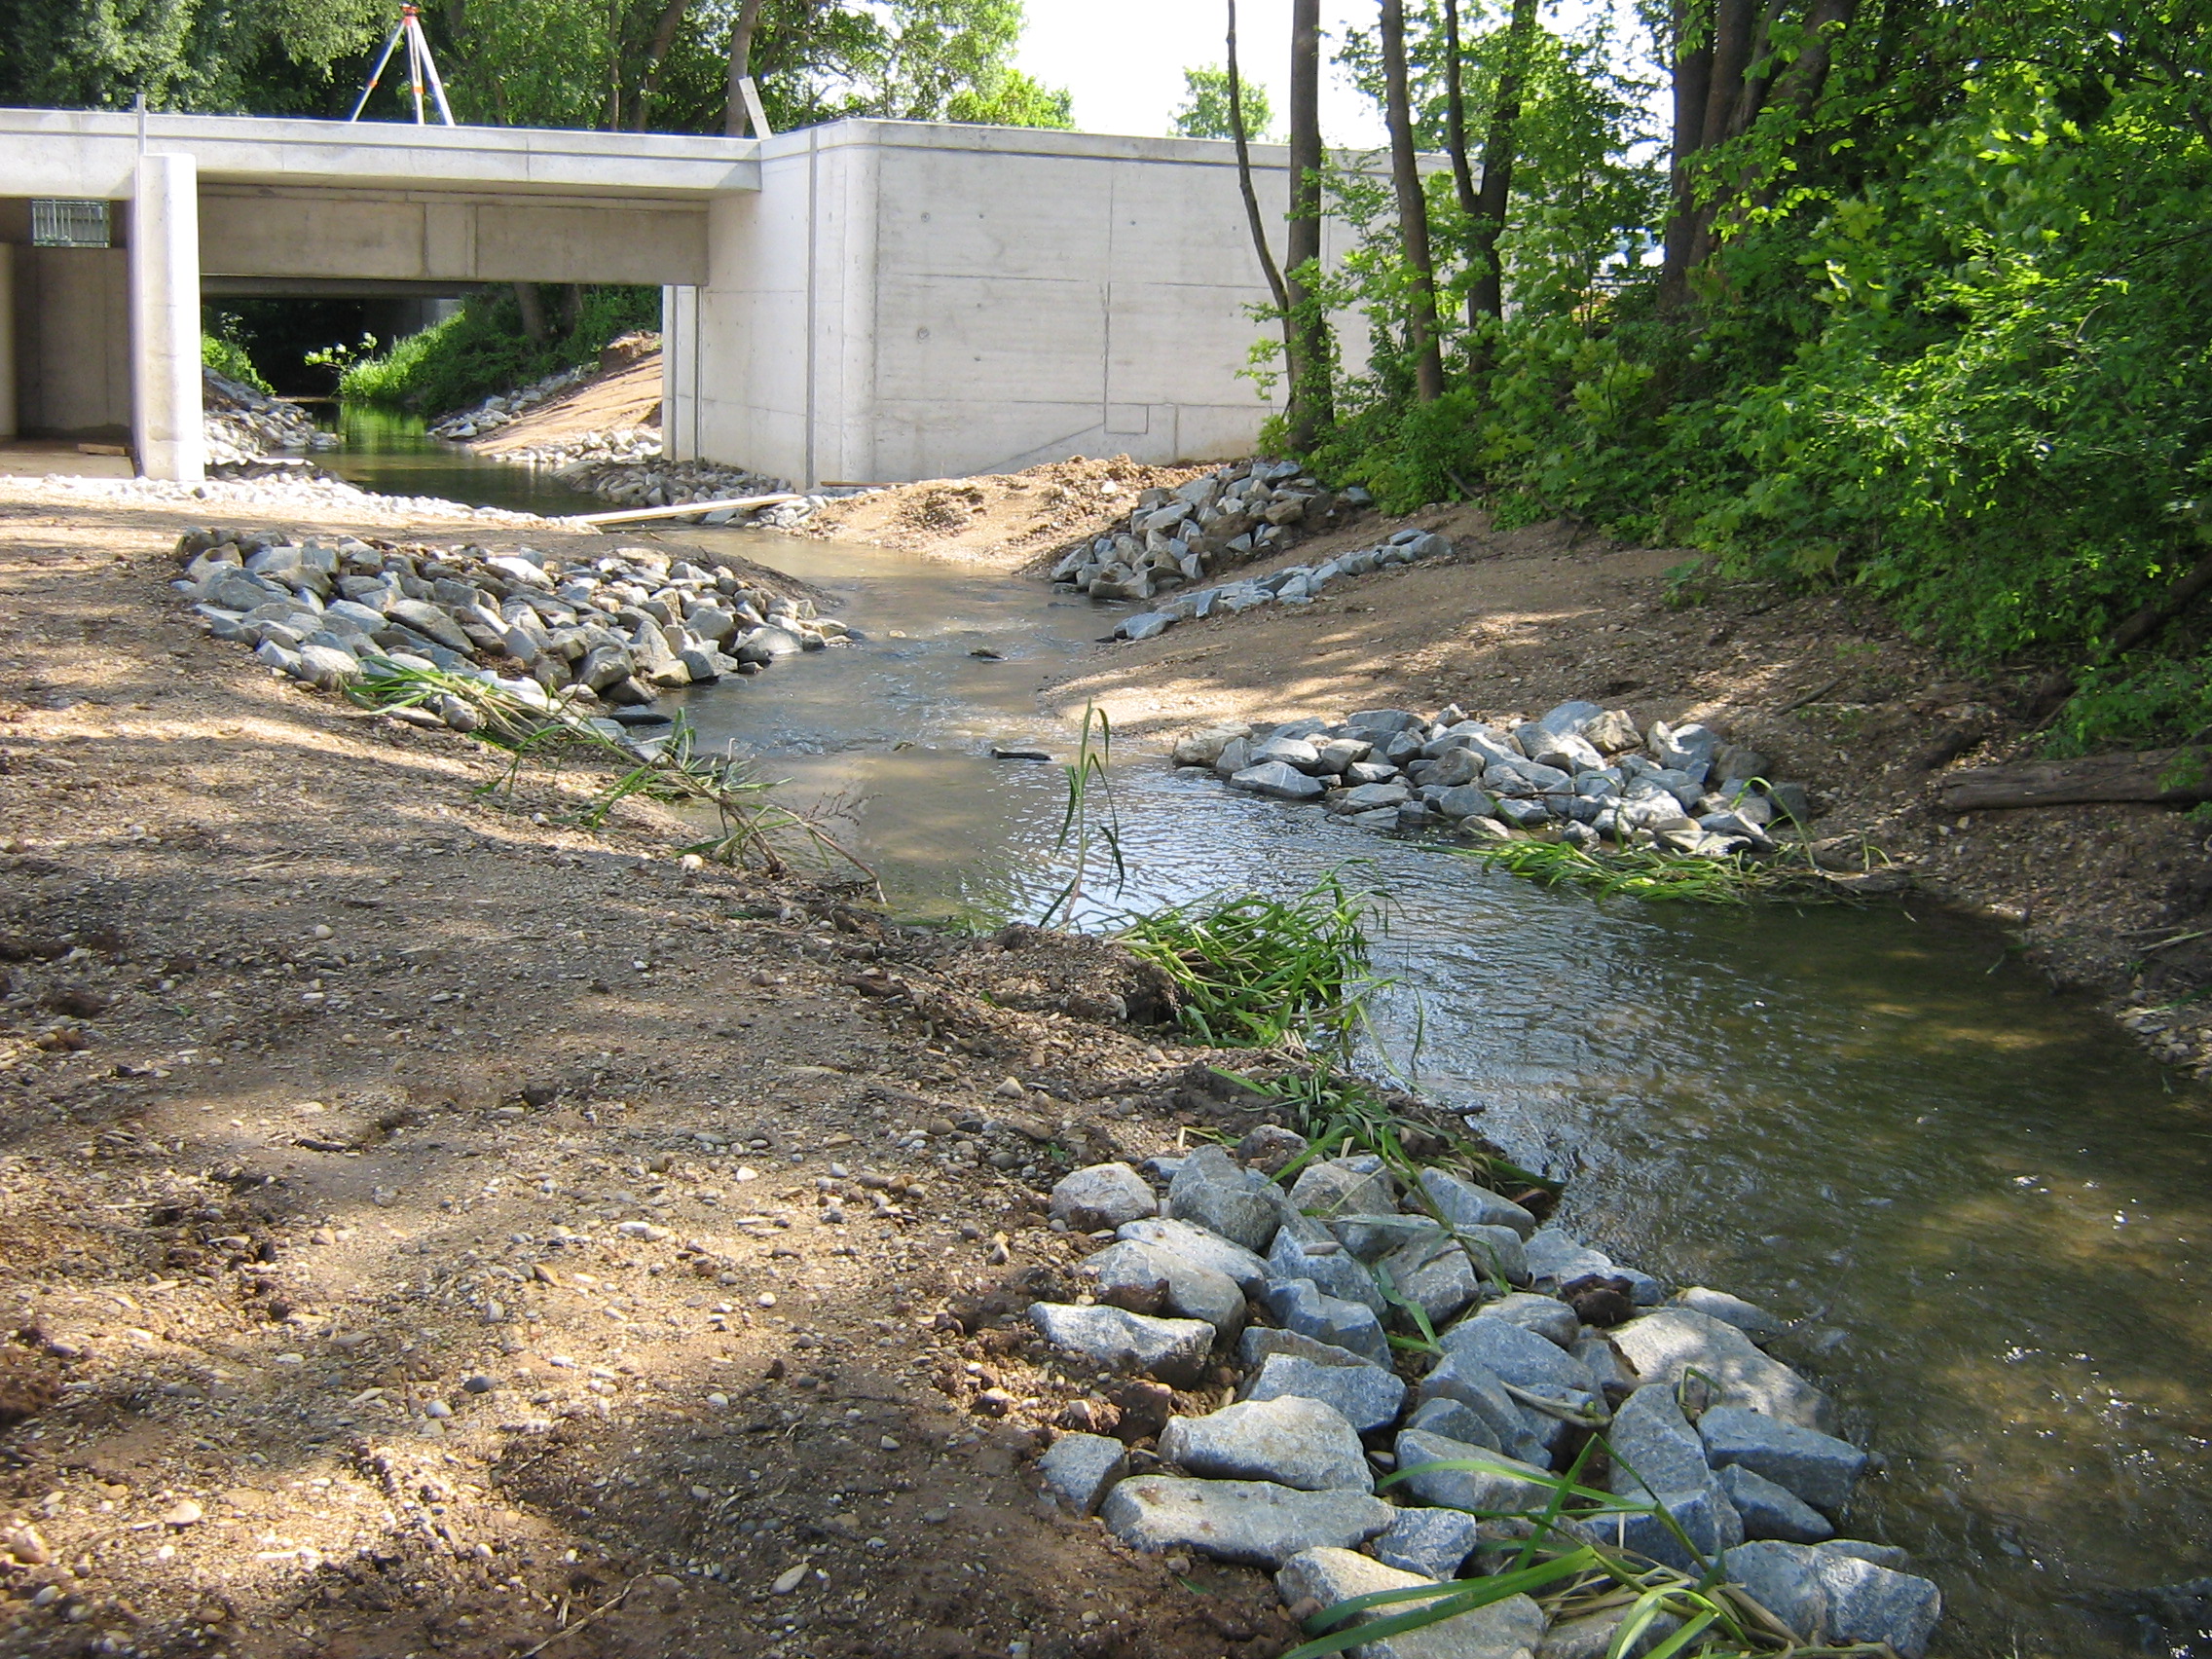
x=616 y=400
x=1006 y=521
x=1826 y=684
x=426 y=1227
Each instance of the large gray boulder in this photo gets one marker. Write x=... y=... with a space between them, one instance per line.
x=1482 y=1392
x=1518 y=1356
x=1666 y=1345
x=1463 y=1204
x=1591 y=1636
x=1292 y=1440
x=1105 y=1194
x=1825 y=1594
x=1431 y=1273
x=1657 y=1459
x=1818 y=1467
x=1080 y=1469
x=1255 y=1523
x=1301 y=1305
x=1260 y=1341
x=1202 y=1248
x=1149 y=1280
x=1339 y=1190
x=1555 y=1258
x=1278 y=781
x=1496 y=1485
x=1306 y=1249
x=1365 y=1395
x=1769 y=1511
x=1432 y=1542
x=1214 y=1192
x=1508 y=1629
x=1546 y=1315
x=1172 y=1351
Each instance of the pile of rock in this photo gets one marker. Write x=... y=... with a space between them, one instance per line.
x=1581 y=773
x=653 y=484
x=243 y=424
x=613 y=632
x=1295 y=584
x=291 y=488
x=1543 y=1340
x=1245 y=511
x=507 y=407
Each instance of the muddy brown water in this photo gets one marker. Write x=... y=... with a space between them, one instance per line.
x=1986 y=1205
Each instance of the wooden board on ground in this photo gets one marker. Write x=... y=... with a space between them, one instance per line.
x=685 y=509
x=2153 y=777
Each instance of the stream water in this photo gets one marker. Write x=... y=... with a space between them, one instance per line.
x=1987 y=1205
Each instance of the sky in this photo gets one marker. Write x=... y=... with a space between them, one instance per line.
x=1123 y=61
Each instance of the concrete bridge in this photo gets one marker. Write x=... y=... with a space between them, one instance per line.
x=864 y=302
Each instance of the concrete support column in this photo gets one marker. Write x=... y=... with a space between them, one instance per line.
x=164 y=320
x=680 y=373
x=9 y=421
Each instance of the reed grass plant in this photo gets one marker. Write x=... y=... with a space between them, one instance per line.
x=1644 y=872
x=754 y=829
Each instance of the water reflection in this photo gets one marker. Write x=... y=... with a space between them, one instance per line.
x=392 y=455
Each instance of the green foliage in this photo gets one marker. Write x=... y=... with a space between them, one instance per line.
x=1205 y=110
x=481 y=349
x=223 y=349
x=530 y=62
x=1257 y=972
x=1955 y=345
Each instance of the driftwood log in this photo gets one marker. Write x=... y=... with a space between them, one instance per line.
x=2168 y=777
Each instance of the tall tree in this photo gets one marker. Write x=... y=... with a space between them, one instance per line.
x=1487 y=211
x=736 y=119
x=1311 y=405
x=1729 y=68
x=1412 y=210
x=1254 y=220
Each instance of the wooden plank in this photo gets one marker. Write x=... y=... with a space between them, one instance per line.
x=684 y=510
x=2100 y=778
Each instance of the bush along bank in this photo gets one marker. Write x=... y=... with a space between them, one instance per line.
x=1417 y=1406
x=1581 y=774
x=603 y=634
x=1250 y=509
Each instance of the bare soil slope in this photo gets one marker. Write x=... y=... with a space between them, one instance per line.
x=424 y=1228
x=615 y=400
x=1001 y=520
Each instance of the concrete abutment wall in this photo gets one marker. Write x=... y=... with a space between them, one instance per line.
x=864 y=302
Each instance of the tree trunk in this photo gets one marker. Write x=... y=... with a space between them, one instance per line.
x=1456 y=129
x=1412 y=210
x=1693 y=88
x=1486 y=297
x=533 y=312
x=1311 y=405
x=2170 y=777
x=1294 y=363
x=735 y=119
x=1719 y=92
x=656 y=50
x=613 y=65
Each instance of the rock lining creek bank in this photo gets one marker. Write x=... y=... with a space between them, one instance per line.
x=1231 y=1385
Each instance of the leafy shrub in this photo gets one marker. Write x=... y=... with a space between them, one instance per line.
x=481 y=351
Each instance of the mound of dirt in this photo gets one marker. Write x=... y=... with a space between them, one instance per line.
x=1006 y=520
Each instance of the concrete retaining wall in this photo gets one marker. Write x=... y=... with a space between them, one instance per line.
x=903 y=300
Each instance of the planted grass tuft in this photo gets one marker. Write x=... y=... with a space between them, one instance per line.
x=754 y=831
x=1254 y=972
x=1639 y=873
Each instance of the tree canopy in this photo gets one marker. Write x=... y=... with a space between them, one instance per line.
x=1205 y=110
x=632 y=64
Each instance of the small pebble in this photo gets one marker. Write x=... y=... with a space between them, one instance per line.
x=183 y=1512
x=789 y=1579
x=888 y=1444
x=478 y=1383
x=438 y=1409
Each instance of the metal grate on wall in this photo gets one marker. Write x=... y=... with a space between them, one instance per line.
x=68 y=224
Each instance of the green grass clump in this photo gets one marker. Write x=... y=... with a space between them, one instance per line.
x=1641 y=872
x=227 y=356
x=754 y=829
x=1254 y=972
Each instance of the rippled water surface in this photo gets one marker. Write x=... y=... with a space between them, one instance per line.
x=1987 y=1205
